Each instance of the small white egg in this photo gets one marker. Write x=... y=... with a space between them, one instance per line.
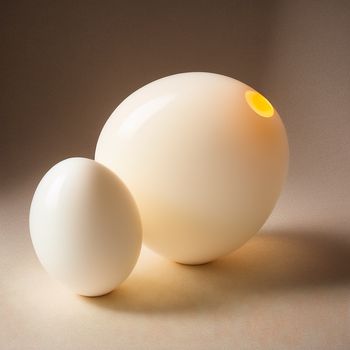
x=85 y=226
x=205 y=157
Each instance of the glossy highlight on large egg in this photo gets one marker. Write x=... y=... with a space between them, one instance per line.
x=205 y=157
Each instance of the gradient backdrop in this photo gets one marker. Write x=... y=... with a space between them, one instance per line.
x=66 y=65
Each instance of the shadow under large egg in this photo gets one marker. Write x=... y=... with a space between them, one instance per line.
x=271 y=262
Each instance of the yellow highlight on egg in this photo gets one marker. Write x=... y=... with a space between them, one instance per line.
x=259 y=104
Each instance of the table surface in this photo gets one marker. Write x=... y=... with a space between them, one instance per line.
x=287 y=288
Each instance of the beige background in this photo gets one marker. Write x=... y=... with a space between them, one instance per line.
x=66 y=65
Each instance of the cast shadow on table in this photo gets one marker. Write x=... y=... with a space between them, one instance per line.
x=276 y=262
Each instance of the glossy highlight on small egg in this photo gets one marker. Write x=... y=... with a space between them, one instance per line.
x=205 y=157
x=85 y=226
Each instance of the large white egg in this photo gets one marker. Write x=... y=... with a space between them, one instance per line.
x=205 y=157
x=85 y=226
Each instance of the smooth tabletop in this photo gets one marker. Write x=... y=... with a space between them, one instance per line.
x=287 y=288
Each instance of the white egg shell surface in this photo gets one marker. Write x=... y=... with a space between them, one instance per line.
x=203 y=166
x=85 y=226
